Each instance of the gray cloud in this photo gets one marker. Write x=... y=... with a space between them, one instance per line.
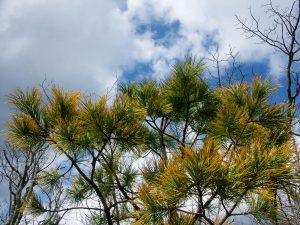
x=76 y=44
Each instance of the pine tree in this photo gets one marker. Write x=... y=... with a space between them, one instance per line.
x=207 y=154
x=245 y=158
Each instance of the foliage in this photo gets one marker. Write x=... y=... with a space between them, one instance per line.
x=204 y=152
x=246 y=152
x=34 y=205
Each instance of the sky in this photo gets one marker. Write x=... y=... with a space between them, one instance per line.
x=90 y=45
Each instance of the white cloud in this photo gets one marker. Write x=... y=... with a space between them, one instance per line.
x=200 y=18
x=84 y=45
x=77 y=44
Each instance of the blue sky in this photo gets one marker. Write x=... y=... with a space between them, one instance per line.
x=89 y=45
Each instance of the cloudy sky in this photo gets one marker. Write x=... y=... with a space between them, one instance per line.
x=88 y=44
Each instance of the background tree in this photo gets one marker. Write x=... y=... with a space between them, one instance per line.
x=283 y=36
x=20 y=169
x=226 y=67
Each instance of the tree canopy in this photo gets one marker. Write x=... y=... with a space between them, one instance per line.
x=174 y=151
